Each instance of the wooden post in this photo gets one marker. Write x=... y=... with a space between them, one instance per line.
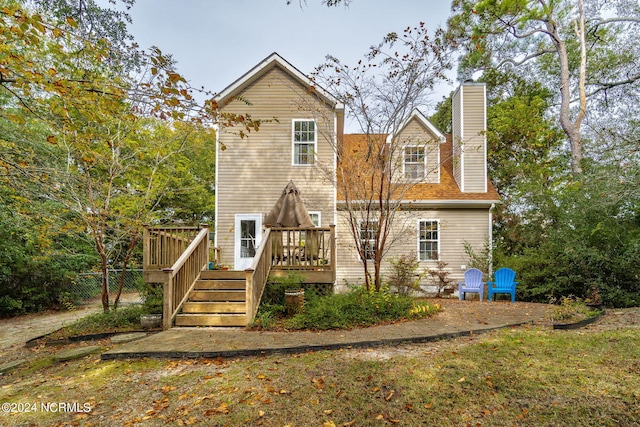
x=249 y=293
x=145 y=248
x=167 y=299
x=332 y=244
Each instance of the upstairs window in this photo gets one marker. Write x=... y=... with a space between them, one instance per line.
x=414 y=163
x=368 y=231
x=429 y=240
x=304 y=142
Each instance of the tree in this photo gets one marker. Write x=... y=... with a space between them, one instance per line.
x=584 y=53
x=380 y=93
x=97 y=110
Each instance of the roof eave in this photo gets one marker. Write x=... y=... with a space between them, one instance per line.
x=459 y=203
x=423 y=119
x=237 y=86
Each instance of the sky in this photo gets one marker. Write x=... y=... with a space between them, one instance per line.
x=217 y=41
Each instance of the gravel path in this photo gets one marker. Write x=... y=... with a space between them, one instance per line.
x=18 y=330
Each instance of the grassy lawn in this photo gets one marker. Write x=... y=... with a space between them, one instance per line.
x=525 y=377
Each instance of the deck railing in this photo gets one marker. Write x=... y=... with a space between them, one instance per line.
x=162 y=246
x=257 y=275
x=180 y=278
x=303 y=248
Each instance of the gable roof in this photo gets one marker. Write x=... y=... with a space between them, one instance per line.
x=422 y=119
x=445 y=192
x=267 y=64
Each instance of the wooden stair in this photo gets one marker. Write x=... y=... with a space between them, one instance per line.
x=218 y=299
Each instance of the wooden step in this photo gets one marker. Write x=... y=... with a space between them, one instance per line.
x=214 y=307
x=215 y=296
x=223 y=274
x=220 y=284
x=211 y=320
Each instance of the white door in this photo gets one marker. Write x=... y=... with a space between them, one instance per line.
x=248 y=235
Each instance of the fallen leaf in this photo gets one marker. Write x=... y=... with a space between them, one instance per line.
x=349 y=424
x=390 y=395
x=223 y=408
x=261 y=414
x=328 y=424
x=379 y=417
x=328 y=411
x=461 y=380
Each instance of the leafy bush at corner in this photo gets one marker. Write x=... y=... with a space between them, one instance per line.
x=36 y=270
x=587 y=239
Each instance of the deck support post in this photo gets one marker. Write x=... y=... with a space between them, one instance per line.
x=167 y=306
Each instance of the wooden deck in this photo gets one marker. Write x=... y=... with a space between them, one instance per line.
x=178 y=258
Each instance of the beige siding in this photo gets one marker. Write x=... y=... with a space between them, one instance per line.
x=457 y=226
x=474 y=119
x=469 y=123
x=457 y=136
x=252 y=172
x=414 y=133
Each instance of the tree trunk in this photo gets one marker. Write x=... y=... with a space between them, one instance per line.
x=105 y=277
x=132 y=244
x=571 y=127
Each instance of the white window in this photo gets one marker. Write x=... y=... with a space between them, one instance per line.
x=304 y=142
x=315 y=218
x=429 y=240
x=367 y=232
x=414 y=163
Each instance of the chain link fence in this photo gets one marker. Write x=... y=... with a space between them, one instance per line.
x=88 y=286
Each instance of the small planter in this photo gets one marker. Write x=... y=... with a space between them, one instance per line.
x=151 y=321
x=294 y=300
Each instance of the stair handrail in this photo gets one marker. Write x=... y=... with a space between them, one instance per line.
x=181 y=277
x=257 y=275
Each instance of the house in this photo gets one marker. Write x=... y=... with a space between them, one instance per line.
x=444 y=197
x=448 y=204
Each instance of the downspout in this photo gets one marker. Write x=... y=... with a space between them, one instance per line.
x=491 y=239
x=216 y=128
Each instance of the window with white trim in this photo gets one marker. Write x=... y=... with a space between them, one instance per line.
x=304 y=142
x=367 y=232
x=315 y=217
x=414 y=163
x=429 y=240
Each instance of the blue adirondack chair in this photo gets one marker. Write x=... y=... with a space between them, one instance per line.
x=472 y=283
x=504 y=283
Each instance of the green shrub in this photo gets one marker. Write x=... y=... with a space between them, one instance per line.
x=572 y=307
x=126 y=318
x=151 y=296
x=404 y=277
x=358 y=307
